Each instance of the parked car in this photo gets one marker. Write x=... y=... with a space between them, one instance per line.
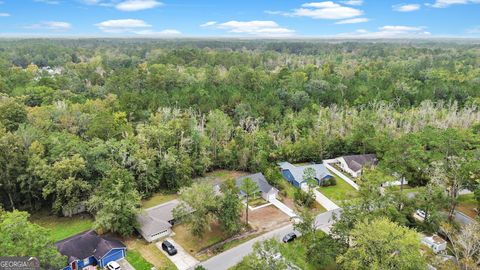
x=420 y=213
x=289 y=237
x=169 y=248
x=113 y=265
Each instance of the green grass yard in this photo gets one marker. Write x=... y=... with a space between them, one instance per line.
x=63 y=227
x=145 y=254
x=137 y=261
x=219 y=176
x=158 y=198
x=192 y=244
x=342 y=191
x=467 y=205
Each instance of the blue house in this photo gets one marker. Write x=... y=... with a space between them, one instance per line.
x=294 y=174
x=88 y=248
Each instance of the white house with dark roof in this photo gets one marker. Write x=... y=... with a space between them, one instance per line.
x=294 y=174
x=354 y=164
x=267 y=192
x=156 y=222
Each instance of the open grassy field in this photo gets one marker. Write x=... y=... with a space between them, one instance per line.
x=63 y=227
x=467 y=205
x=342 y=191
x=158 y=198
x=145 y=254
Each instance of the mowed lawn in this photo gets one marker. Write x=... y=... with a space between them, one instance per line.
x=63 y=227
x=342 y=191
x=467 y=205
x=145 y=254
x=158 y=198
x=137 y=261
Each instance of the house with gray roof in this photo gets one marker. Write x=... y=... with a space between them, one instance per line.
x=156 y=222
x=295 y=174
x=264 y=188
x=90 y=249
x=354 y=164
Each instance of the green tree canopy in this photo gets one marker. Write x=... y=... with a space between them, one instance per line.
x=380 y=244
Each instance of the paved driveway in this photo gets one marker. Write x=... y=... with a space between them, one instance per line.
x=182 y=260
x=125 y=265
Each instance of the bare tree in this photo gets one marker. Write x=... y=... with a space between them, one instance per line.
x=465 y=244
x=450 y=173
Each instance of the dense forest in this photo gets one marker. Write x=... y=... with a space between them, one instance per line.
x=163 y=112
x=108 y=122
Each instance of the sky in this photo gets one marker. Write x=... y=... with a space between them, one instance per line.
x=246 y=18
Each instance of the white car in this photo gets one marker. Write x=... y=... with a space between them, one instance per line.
x=420 y=213
x=113 y=265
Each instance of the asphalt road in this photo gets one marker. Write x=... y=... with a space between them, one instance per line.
x=233 y=256
x=462 y=218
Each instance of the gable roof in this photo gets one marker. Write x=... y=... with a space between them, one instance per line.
x=87 y=244
x=357 y=162
x=297 y=171
x=258 y=178
x=157 y=218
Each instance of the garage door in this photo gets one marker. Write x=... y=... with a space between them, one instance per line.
x=160 y=235
x=112 y=256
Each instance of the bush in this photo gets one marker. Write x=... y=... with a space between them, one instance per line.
x=302 y=198
x=328 y=182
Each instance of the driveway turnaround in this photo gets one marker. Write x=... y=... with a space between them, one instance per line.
x=125 y=265
x=182 y=260
x=231 y=257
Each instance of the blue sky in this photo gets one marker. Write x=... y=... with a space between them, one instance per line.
x=258 y=18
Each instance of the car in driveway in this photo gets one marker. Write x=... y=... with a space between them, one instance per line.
x=420 y=213
x=113 y=265
x=289 y=237
x=169 y=248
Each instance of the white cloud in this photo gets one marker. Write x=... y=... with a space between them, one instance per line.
x=390 y=31
x=50 y=2
x=122 y=26
x=4 y=14
x=207 y=24
x=135 y=5
x=322 y=10
x=474 y=30
x=446 y=3
x=406 y=7
x=51 y=25
x=162 y=33
x=353 y=2
x=257 y=28
x=351 y=21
